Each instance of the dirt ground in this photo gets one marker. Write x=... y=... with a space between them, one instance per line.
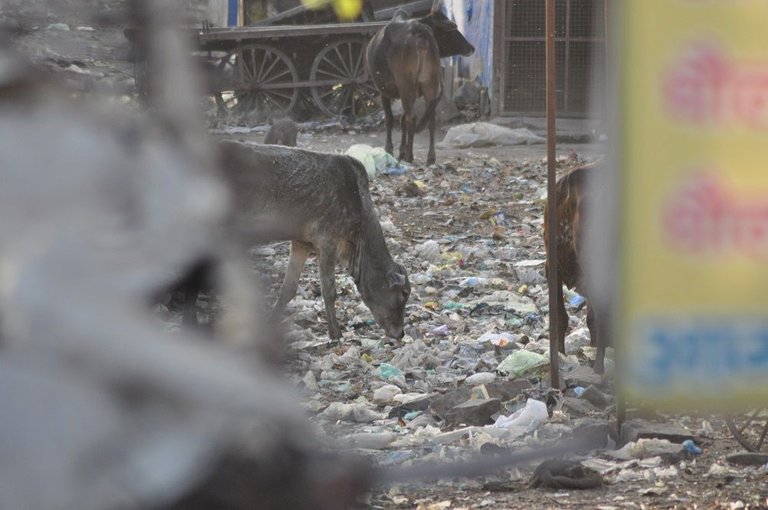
x=513 y=179
x=451 y=203
x=438 y=217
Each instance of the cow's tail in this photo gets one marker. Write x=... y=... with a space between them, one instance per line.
x=428 y=113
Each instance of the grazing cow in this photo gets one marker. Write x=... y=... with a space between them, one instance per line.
x=403 y=60
x=572 y=198
x=321 y=203
x=282 y=132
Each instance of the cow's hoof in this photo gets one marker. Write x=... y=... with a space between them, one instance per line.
x=430 y=161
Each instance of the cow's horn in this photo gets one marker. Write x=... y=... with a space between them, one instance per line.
x=435 y=6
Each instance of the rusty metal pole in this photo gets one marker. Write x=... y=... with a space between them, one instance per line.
x=553 y=278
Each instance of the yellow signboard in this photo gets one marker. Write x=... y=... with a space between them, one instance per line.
x=692 y=321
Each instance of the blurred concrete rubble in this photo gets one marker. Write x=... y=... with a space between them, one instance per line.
x=102 y=406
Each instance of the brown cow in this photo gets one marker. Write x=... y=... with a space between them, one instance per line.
x=572 y=198
x=403 y=60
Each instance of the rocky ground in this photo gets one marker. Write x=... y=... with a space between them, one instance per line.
x=469 y=231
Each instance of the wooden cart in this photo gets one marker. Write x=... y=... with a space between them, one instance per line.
x=293 y=62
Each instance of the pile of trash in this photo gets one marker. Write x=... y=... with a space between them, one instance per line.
x=471 y=376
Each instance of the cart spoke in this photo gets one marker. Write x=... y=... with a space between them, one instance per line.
x=340 y=71
x=275 y=77
x=263 y=77
x=281 y=105
x=278 y=93
x=761 y=441
x=359 y=64
x=257 y=75
x=341 y=59
x=749 y=429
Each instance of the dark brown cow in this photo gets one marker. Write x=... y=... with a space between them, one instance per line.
x=572 y=198
x=282 y=132
x=403 y=60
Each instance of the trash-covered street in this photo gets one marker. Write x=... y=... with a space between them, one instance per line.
x=470 y=377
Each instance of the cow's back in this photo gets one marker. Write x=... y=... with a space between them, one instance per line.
x=298 y=194
x=571 y=191
x=390 y=50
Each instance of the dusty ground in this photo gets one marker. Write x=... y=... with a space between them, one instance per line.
x=453 y=206
x=513 y=179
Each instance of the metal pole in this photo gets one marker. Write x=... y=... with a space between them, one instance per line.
x=553 y=278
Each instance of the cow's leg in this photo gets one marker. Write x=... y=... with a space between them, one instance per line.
x=389 y=119
x=198 y=277
x=189 y=316
x=299 y=253
x=597 y=338
x=327 y=266
x=411 y=133
x=406 y=121
x=431 y=153
x=562 y=317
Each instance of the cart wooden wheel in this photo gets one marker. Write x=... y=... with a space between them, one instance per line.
x=341 y=84
x=750 y=429
x=264 y=80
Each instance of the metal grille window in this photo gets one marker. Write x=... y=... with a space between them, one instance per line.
x=580 y=48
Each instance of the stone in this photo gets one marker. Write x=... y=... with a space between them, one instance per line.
x=594 y=432
x=473 y=412
x=595 y=397
x=632 y=430
x=507 y=390
x=578 y=406
x=415 y=404
x=748 y=458
x=441 y=405
x=582 y=376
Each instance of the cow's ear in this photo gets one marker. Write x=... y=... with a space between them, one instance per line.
x=395 y=279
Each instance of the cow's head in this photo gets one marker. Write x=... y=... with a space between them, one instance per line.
x=386 y=294
x=449 y=39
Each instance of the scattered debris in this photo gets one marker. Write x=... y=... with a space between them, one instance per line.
x=476 y=347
